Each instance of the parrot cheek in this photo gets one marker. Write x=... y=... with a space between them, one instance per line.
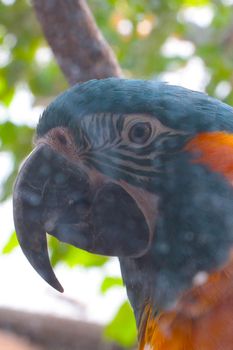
x=119 y=226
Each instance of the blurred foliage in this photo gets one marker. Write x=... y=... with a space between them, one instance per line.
x=139 y=32
x=17 y=141
x=73 y=256
x=110 y=282
x=11 y=244
x=122 y=328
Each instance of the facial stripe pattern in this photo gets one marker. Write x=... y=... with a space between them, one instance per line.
x=104 y=142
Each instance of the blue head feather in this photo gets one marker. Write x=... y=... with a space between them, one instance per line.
x=174 y=106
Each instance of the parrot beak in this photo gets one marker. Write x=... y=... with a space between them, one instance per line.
x=54 y=195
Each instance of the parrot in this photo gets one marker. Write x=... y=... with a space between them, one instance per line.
x=143 y=171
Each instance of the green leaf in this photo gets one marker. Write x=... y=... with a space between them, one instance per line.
x=80 y=257
x=110 y=282
x=122 y=328
x=11 y=244
x=72 y=256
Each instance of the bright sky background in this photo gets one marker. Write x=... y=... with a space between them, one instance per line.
x=21 y=287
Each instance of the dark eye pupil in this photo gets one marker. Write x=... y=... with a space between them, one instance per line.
x=140 y=133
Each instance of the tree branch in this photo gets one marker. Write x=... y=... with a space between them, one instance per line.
x=50 y=332
x=78 y=45
x=9 y=341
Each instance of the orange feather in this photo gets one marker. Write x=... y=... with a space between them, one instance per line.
x=215 y=149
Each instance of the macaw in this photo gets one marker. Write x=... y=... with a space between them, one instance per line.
x=141 y=170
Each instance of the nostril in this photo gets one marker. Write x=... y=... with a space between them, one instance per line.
x=62 y=139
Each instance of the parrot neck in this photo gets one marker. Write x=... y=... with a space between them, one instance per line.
x=184 y=325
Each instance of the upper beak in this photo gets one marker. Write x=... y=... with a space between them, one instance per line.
x=27 y=208
x=45 y=190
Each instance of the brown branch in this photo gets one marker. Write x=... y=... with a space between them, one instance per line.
x=78 y=45
x=50 y=332
x=8 y=341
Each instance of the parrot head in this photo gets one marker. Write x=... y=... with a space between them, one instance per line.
x=124 y=168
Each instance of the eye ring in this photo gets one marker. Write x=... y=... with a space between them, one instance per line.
x=140 y=133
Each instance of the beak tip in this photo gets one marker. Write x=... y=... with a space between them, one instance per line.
x=59 y=288
x=51 y=279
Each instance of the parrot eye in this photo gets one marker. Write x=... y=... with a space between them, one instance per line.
x=140 y=133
